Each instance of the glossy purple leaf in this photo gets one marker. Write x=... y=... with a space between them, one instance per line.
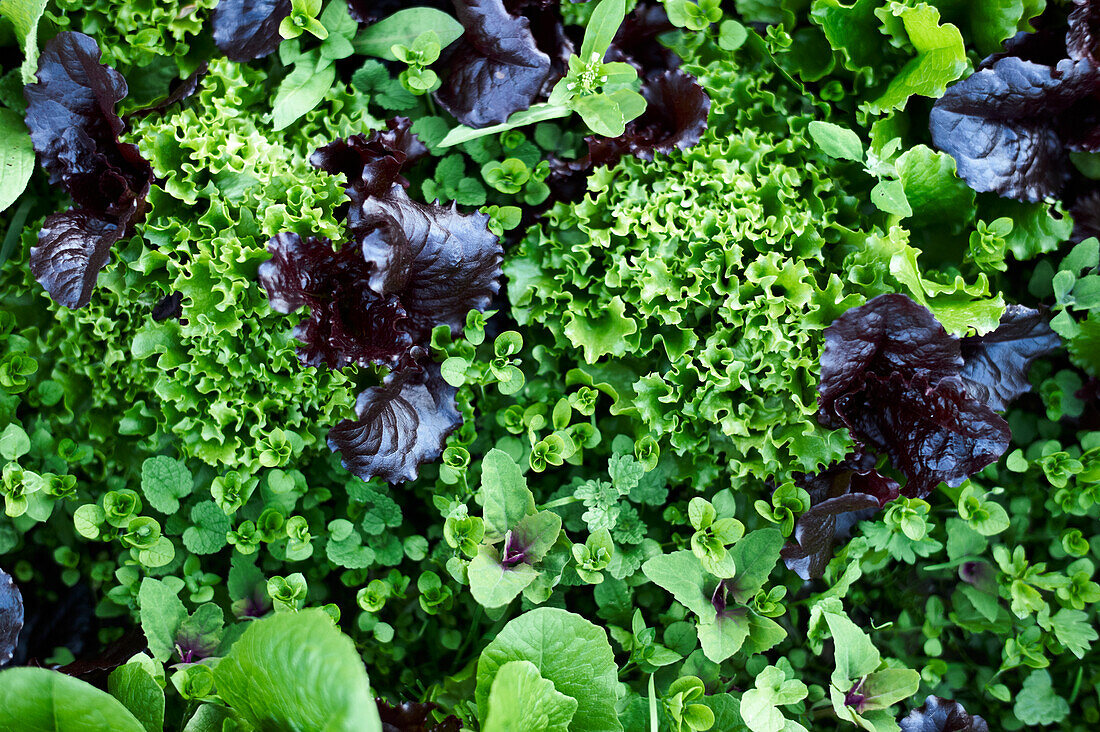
x=675 y=119
x=348 y=322
x=995 y=365
x=890 y=373
x=1009 y=126
x=942 y=715
x=399 y=425
x=889 y=333
x=371 y=11
x=414 y=717
x=494 y=69
x=249 y=29
x=932 y=433
x=438 y=262
x=544 y=19
x=840 y=497
x=1083 y=37
x=11 y=616
x=75 y=131
x=636 y=40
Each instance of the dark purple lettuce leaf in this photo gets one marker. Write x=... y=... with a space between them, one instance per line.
x=932 y=433
x=371 y=164
x=399 y=425
x=348 y=322
x=75 y=130
x=840 y=497
x=371 y=11
x=545 y=21
x=414 y=717
x=1083 y=37
x=995 y=365
x=675 y=118
x=11 y=616
x=495 y=68
x=249 y=29
x=890 y=374
x=1010 y=126
x=889 y=333
x=636 y=40
x=1085 y=212
x=439 y=263
x=942 y=715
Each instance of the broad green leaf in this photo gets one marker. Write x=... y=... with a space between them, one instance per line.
x=852 y=30
x=505 y=497
x=402 y=28
x=1073 y=630
x=935 y=193
x=529 y=116
x=601 y=113
x=764 y=634
x=494 y=585
x=162 y=613
x=889 y=196
x=755 y=556
x=568 y=651
x=139 y=692
x=521 y=700
x=207 y=718
x=602 y=26
x=886 y=688
x=301 y=91
x=723 y=636
x=297 y=671
x=681 y=573
x=855 y=655
x=994 y=21
x=538 y=532
x=836 y=141
x=16 y=157
x=24 y=16
x=164 y=481
x=940 y=60
x=38 y=700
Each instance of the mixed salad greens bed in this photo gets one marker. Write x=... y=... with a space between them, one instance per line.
x=586 y=366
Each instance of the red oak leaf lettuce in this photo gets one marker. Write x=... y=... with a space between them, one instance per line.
x=840 y=496
x=495 y=68
x=348 y=322
x=75 y=131
x=11 y=616
x=1011 y=125
x=399 y=425
x=249 y=29
x=995 y=365
x=406 y=268
x=890 y=373
x=942 y=715
x=370 y=164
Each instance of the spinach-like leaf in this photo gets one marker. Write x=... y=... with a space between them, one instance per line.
x=297 y=671
x=50 y=701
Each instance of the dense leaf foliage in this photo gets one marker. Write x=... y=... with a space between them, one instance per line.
x=523 y=364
